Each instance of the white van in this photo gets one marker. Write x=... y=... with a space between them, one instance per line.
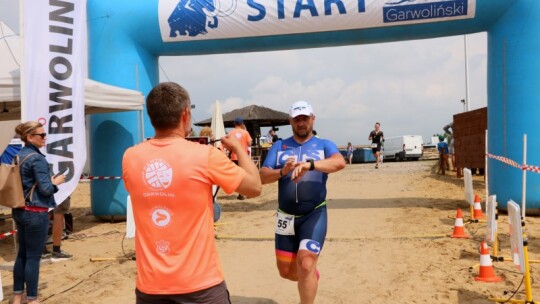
x=403 y=147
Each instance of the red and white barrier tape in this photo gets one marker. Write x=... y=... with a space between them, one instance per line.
x=99 y=177
x=505 y=160
x=535 y=169
x=512 y=163
x=4 y=235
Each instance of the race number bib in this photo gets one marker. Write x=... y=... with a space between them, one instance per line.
x=374 y=145
x=284 y=224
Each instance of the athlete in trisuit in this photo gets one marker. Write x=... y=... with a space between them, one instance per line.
x=301 y=165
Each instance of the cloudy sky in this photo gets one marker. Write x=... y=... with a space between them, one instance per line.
x=411 y=87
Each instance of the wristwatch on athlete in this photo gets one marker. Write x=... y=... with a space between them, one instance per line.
x=312 y=164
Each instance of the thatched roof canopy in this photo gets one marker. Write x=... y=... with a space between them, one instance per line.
x=258 y=115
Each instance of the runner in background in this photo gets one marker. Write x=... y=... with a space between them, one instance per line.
x=377 y=138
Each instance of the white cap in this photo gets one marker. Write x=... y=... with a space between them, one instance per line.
x=300 y=108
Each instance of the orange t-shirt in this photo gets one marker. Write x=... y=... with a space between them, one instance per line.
x=244 y=138
x=170 y=183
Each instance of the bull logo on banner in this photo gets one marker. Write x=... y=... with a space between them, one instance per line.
x=191 y=17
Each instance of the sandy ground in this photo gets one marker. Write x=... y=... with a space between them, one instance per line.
x=386 y=244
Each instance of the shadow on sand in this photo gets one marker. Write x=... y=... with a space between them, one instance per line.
x=470 y=297
x=249 y=300
x=83 y=219
x=451 y=177
x=420 y=202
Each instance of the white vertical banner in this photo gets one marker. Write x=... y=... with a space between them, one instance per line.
x=52 y=78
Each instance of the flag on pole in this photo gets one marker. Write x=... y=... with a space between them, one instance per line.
x=52 y=79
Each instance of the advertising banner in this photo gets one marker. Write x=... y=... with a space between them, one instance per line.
x=189 y=20
x=53 y=72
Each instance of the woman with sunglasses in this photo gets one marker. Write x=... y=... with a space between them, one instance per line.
x=33 y=219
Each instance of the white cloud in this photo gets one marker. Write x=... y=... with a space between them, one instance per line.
x=232 y=103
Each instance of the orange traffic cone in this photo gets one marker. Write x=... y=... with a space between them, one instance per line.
x=459 y=231
x=486 y=273
x=477 y=208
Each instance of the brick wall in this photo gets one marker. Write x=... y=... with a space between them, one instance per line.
x=470 y=139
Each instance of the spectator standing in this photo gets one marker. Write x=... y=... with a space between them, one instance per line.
x=242 y=135
x=59 y=215
x=442 y=147
x=271 y=137
x=32 y=220
x=350 y=151
x=450 y=137
x=170 y=179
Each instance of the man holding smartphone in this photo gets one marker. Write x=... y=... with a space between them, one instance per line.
x=170 y=182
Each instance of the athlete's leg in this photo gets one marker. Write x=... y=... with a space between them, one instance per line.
x=307 y=277
x=286 y=248
x=286 y=265
x=312 y=232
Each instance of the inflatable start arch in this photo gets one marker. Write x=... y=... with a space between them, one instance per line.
x=127 y=37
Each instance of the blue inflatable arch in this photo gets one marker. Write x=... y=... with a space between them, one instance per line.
x=127 y=37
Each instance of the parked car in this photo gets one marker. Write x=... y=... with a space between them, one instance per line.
x=406 y=147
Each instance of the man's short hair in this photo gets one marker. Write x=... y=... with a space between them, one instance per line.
x=377 y=123
x=165 y=105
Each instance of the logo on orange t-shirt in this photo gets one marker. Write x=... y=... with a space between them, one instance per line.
x=162 y=247
x=161 y=217
x=157 y=174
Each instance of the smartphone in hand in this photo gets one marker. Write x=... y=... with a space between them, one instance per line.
x=61 y=172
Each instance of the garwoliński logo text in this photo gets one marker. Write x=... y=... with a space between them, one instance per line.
x=157 y=174
x=413 y=10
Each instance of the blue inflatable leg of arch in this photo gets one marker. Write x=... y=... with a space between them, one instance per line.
x=125 y=42
x=513 y=105
x=115 y=58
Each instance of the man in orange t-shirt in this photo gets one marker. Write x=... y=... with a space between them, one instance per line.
x=242 y=135
x=239 y=132
x=170 y=180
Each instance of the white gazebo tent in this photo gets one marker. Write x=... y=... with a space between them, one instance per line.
x=99 y=97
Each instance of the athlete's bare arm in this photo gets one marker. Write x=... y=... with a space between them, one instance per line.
x=331 y=164
x=269 y=175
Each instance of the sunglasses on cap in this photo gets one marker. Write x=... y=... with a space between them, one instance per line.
x=42 y=135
